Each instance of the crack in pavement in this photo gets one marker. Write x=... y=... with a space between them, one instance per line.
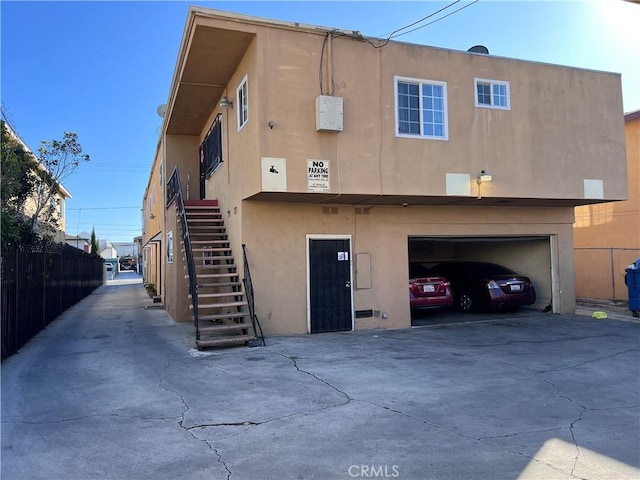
x=426 y=422
x=532 y=342
x=252 y=423
x=575 y=441
x=348 y=399
x=462 y=435
x=188 y=429
x=589 y=361
x=295 y=365
x=246 y=423
x=84 y=417
x=558 y=393
x=573 y=423
x=520 y=433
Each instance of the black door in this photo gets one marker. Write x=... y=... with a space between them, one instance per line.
x=330 y=285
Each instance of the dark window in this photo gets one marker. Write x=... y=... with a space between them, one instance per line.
x=211 y=148
x=484 y=94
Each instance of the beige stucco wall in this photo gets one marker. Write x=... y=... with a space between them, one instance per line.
x=180 y=150
x=235 y=178
x=153 y=212
x=276 y=238
x=543 y=147
x=176 y=296
x=153 y=201
x=607 y=236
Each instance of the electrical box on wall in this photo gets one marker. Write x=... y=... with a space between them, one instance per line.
x=328 y=114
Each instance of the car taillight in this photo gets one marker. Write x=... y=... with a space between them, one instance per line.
x=492 y=284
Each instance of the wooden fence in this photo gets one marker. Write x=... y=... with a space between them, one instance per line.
x=38 y=282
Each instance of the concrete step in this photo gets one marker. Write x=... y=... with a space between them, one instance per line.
x=211 y=249
x=214 y=266
x=224 y=341
x=220 y=305
x=225 y=327
x=219 y=285
x=213 y=275
x=223 y=316
x=219 y=295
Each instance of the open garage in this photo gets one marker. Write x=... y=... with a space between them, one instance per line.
x=531 y=256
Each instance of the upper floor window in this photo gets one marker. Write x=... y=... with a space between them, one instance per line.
x=211 y=149
x=242 y=102
x=62 y=205
x=492 y=94
x=421 y=108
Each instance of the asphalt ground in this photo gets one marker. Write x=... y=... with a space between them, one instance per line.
x=113 y=389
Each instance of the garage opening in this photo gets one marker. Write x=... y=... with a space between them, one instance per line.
x=530 y=256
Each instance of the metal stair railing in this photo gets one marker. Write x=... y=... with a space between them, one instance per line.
x=174 y=191
x=248 y=291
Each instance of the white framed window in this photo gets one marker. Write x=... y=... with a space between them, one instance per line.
x=62 y=204
x=492 y=94
x=421 y=108
x=242 y=102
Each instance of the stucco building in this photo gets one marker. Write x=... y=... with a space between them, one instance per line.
x=607 y=235
x=36 y=204
x=336 y=164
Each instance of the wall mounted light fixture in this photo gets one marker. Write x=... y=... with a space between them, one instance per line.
x=225 y=103
x=483 y=177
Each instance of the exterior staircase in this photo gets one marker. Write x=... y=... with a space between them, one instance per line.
x=220 y=311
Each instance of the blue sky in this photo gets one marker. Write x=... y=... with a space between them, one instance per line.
x=100 y=69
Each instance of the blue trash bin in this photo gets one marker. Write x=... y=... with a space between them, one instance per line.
x=632 y=280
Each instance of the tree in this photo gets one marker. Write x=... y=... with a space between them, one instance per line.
x=30 y=184
x=17 y=184
x=95 y=247
x=58 y=160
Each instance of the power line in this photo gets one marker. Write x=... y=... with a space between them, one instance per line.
x=104 y=208
x=436 y=20
x=395 y=33
x=391 y=35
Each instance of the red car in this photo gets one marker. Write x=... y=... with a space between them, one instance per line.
x=428 y=290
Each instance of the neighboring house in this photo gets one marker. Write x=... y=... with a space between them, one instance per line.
x=108 y=250
x=153 y=212
x=126 y=248
x=81 y=241
x=336 y=164
x=139 y=262
x=607 y=235
x=59 y=199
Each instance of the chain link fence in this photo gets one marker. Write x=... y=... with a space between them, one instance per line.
x=600 y=272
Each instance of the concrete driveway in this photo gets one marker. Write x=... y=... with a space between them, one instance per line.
x=114 y=390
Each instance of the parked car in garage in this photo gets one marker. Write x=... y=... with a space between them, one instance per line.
x=427 y=290
x=482 y=285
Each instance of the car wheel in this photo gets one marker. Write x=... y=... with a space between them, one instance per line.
x=466 y=303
